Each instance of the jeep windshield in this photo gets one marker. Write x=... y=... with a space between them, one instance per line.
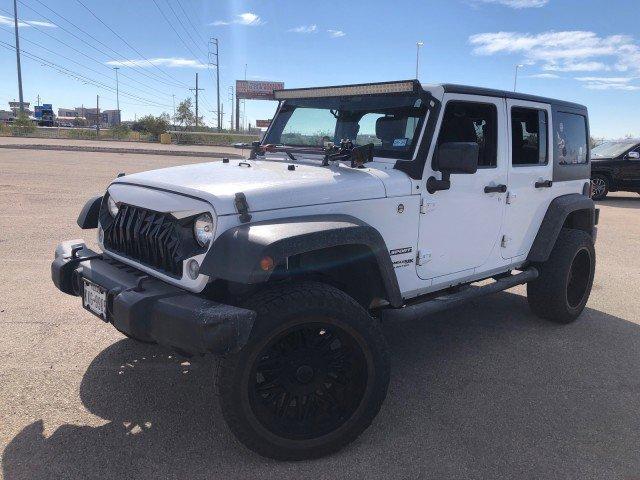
x=391 y=122
x=612 y=149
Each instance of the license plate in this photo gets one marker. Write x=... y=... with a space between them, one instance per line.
x=95 y=299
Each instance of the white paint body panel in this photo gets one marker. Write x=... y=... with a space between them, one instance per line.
x=462 y=225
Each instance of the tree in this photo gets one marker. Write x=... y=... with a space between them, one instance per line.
x=184 y=115
x=152 y=125
x=22 y=125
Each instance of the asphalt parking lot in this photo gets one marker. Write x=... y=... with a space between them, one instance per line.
x=483 y=391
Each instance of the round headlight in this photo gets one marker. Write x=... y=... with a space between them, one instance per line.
x=203 y=229
x=113 y=207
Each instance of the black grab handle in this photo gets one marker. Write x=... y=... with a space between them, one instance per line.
x=495 y=189
x=545 y=184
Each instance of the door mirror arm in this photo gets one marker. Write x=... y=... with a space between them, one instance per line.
x=434 y=185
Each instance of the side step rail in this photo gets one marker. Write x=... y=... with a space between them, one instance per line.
x=426 y=307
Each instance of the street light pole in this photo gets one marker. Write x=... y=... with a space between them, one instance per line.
x=515 y=77
x=117 y=95
x=418 y=45
x=15 y=22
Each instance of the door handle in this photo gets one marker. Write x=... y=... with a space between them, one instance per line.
x=545 y=184
x=495 y=189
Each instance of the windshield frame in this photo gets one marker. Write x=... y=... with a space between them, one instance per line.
x=379 y=153
x=628 y=145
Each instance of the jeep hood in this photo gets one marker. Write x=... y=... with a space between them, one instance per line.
x=267 y=185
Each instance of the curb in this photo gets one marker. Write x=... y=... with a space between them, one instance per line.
x=141 y=151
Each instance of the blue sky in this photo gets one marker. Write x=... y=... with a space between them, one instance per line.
x=584 y=51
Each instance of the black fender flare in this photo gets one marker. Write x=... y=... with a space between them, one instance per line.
x=88 y=217
x=557 y=212
x=236 y=254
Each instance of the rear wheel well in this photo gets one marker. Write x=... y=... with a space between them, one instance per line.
x=580 y=220
x=351 y=268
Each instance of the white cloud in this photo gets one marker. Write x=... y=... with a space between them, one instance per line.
x=564 y=51
x=608 y=83
x=304 y=29
x=544 y=75
x=336 y=33
x=4 y=20
x=171 y=62
x=519 y=3
x=247 y=18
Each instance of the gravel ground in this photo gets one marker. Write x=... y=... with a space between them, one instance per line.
x=482 y=391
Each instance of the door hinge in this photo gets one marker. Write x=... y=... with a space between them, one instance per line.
x=425 y=206
x=511 y=197
x=505 y=241
x=423 y=257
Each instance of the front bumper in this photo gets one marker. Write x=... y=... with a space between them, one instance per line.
x=150 y=309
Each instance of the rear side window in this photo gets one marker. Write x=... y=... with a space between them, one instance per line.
x=472 y=122
x=528 y=136
x=570 y=138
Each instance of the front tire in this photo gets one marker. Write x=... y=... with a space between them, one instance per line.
x=312 y=376
x=599 y=187
x=562 y=289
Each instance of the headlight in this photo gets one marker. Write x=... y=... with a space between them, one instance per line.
x=203 y=229
x=113 y=207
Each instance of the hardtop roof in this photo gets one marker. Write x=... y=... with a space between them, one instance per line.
x=448 y=88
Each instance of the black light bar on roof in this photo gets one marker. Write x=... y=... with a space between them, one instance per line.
x=345 y=90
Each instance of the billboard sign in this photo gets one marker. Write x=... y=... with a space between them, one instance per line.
x=263 y=123
x=249 y=89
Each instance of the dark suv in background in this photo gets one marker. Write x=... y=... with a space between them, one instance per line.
x=615 y=166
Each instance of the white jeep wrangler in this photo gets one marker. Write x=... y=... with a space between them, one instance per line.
x=362 y=204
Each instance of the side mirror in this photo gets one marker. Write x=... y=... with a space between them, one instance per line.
x=633 y=155
x=453 y=157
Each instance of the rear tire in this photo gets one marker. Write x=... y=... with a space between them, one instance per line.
x=599 y=187
x=562 y=289
x=312 y=376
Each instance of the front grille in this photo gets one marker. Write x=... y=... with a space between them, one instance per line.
x=149 y=237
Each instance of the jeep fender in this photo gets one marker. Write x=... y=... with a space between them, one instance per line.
x=88 y=217
x=575 y=209
x=236 y=254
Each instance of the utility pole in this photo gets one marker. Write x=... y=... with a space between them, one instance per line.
x=196 y=90
x=213 y=42
x=173 y=120
x=38 y=102
x=117 y=94
x=97 y=117
x=15 y=22
x=231 y=99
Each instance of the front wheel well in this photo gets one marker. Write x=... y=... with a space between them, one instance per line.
x=353 y=269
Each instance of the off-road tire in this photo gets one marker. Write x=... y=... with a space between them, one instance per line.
x=601 y=181
x=297 y=308
x=562 y=289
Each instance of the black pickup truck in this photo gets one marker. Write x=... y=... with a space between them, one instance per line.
x=615 y=166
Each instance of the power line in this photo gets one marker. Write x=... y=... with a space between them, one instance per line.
x=79 y=76
x=156 y=77
x=76 y=62
x=174 y=29
x=184 y=28
x=128 y=44
x=190 y=22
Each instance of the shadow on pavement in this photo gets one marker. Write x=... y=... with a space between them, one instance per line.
x=484 y=391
